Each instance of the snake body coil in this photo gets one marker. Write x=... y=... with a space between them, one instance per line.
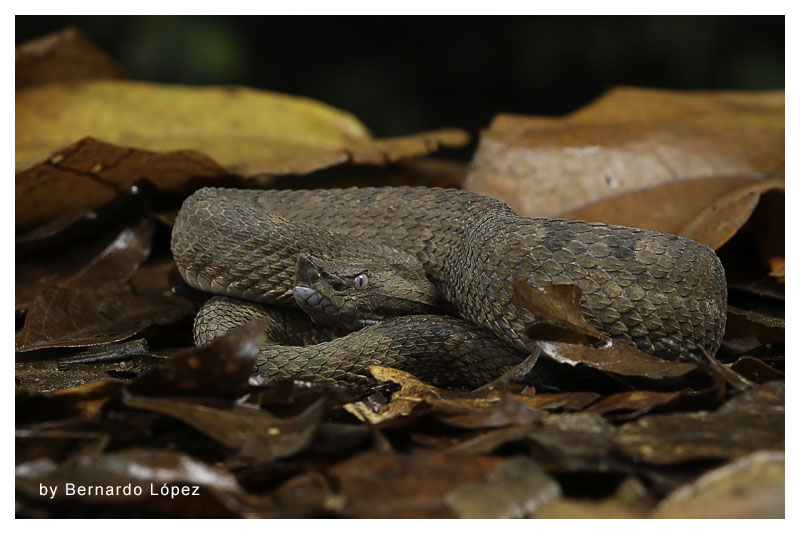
x=660 y=292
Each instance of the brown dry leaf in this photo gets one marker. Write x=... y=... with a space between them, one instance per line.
x=618 y=358
x=681 y=437
x=82 y=401
x=715 y=225
x=630 y=501
x=748 y=323
x=516 y=488
x=752 y=487
x=390 y=485
x=116 y=360
x=755 y=370
x=627 y=140
x=67 y=55
x=562 y=442
x=568 y=402
x=708 y=210
x=220 y=369
x=61 y=317
x=90 y=173
x=667 y=208
x=510 y=411
x=558 y=305
x=253 y=433
x=633 y=403
x=777 y=268
x=770 y=397
x=101 y=265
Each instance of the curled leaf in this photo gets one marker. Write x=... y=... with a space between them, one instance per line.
x=627 y=140
x=253 y=433
x=221 y=368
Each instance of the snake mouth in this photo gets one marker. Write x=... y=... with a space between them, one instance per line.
x=321 y=309
x=309 y=298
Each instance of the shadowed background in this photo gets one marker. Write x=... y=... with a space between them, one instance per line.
x=402 y=75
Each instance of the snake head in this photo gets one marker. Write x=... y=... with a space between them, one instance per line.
x=354 y=294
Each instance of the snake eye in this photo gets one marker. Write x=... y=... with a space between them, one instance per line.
x=360 y=281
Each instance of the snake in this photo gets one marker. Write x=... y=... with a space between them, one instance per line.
x=452 y=250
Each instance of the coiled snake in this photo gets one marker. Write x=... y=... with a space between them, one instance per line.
x=657 y=291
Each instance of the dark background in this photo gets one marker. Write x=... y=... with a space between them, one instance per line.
x=402 y=75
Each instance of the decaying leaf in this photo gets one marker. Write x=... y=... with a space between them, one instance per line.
x=673 y=438
x=87 y=173
x=394 y=485
x=748 y=323
x=719 y=221
x=101 y=265
x=64 y=56
x=413 y=392
x=618 y=358
x=630 y=501
x=777 y=268
x=558 y=305
x=562 y=442
x=752 y=486
x=568 y=402
x=627 y=140
x=253 y=433
x=121 y=361
x=633 y=403
x=755 y=370
x=709 y=210
x=220 y=369
x=61 y=317
x=82 y=401
x=516 y=488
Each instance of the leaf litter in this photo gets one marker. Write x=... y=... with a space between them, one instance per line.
x=110 y=391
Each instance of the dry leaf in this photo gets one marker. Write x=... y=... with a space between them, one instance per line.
x=82 y=401
x=630 y=501
x=627 y=140
x=220 y=369
x=515 y=488
x=238 y=127
x=715 y=225
x=751 y=487
x=91 y=173
x=748 y=323
x=777 y=268
x=67 y=55
x=102 y=265
x=618 y=358
x=681 y=437
x=633 y=403
x=65 y=317
x=393 y=485
x=558 y=305
x=253 y=433
x=414 y=392
x=244 y=130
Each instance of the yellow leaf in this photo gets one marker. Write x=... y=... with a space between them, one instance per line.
x=242 y=129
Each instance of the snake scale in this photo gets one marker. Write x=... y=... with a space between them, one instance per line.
x=660 y=292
